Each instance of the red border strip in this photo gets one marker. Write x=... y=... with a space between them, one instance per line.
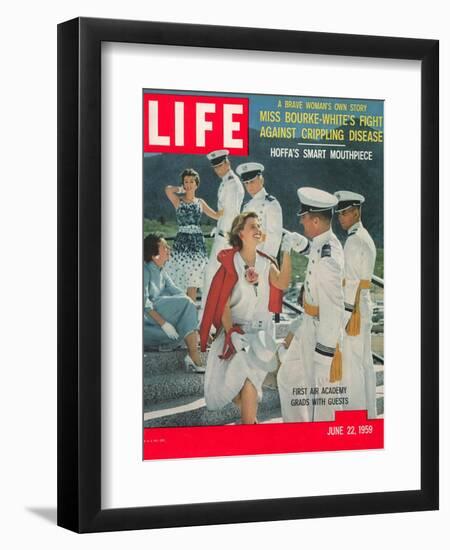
x=351 y=430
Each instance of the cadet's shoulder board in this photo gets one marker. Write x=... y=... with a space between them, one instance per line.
x=353 y=232
x=270 y=198
x=326 y=251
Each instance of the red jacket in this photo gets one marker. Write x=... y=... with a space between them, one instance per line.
x=220 y=291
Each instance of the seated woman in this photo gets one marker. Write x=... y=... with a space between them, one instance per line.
x=187 y=264
x=169 y=315
x=244 y=294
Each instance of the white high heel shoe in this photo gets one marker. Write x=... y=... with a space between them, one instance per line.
x=190 y=366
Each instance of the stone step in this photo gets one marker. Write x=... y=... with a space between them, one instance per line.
x=380 y=407
x=173 y=385
x=380 y=401
x=165 y=362
x=187 y=411
x=158 y=363
x=271 y=416
x=193 y=412
x=379 y=374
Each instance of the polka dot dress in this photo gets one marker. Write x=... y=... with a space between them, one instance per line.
x=188 y=257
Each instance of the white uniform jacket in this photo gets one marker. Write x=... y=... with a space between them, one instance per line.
x=229 y=199
x=307 y=362
x=358 y=371
x=269 y=212
x=360 y=254
x=323 y=288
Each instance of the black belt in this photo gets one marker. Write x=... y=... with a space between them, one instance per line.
x=221 y=233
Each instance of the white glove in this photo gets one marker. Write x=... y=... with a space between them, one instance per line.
x=170 y=331
x=298 y=242
x=239 y=341
x=286 y=243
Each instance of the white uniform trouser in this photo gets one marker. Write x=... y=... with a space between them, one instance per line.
x=213 y=265
x=358 y=371
x=297 y=377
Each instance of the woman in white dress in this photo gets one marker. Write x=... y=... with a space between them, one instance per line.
x=245 y=292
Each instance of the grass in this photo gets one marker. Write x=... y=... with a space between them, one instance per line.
x=379 y=263
x=169 y=228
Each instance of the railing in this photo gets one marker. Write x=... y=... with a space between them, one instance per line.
x=378 y=281
x=297 y=308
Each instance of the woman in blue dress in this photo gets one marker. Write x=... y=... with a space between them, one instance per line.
x=189 y=257
x=169 y=315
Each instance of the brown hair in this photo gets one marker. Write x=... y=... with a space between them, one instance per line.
x=151 y=246
x=190 y=172
x=237 y=226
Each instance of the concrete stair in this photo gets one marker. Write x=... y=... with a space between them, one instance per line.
x=173 y=397
x=193 y=412
x=379 y=374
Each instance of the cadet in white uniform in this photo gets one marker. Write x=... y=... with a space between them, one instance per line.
x=360 y=254
x=308 y=379
x=266 y=206
x=229 y=200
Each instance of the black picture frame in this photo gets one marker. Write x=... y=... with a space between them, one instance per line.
x=79 y=274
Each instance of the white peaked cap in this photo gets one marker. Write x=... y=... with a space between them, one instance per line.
x=249 y=170
x=315 y=200
x=348 y=199
x=217 y=157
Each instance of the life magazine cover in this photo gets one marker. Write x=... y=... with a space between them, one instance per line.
x=263 y=299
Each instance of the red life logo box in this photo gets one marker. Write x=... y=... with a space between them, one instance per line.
x=188 y=124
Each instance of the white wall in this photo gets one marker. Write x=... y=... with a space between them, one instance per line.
x=28 y=270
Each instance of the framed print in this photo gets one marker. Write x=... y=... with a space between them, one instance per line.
x=248 y=275
x=295 y=139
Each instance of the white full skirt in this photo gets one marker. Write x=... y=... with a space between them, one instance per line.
x=224 y=378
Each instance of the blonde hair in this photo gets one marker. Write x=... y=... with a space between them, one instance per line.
x=237 y=226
